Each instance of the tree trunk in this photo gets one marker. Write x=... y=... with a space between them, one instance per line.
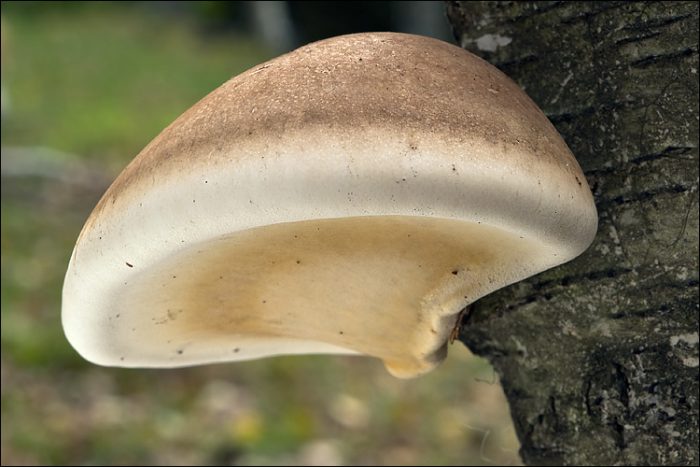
x=599 y=357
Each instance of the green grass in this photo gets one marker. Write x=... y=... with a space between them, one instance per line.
x=103 y=81
x=99 y=81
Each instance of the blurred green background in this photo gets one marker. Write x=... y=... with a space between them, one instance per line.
x=84 y=88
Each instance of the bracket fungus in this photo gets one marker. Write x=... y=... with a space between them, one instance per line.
x=349 y=197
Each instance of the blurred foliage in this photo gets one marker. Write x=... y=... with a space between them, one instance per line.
x=98 y=81
x=102 y=80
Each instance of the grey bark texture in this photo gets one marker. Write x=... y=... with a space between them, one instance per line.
x=599 y=357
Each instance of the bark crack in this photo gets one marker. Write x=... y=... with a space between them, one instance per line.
x=630 y=40
x=588 y=15
x=519 y=61
x=669 y=152
x=658 y=23
x=657 y=58
x=643 y=196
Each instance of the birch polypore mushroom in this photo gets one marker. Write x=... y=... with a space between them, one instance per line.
x=350 y=197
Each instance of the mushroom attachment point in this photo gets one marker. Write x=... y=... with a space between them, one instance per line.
x=350 y=197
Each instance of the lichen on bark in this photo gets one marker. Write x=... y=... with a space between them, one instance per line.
x=599 y=357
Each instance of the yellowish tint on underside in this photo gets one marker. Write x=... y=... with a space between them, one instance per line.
x=386 y=286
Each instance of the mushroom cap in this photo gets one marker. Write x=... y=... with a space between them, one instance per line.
x=352 y=197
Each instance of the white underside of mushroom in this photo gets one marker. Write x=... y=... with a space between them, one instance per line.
x=382 y=238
